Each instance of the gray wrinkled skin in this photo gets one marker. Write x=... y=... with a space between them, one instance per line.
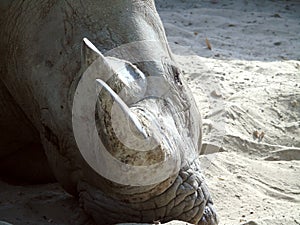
x=41 y=66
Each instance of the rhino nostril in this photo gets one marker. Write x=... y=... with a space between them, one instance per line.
x=209 y=216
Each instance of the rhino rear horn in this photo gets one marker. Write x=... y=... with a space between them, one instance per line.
x=89 y=53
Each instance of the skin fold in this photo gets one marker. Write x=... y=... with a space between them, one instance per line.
x=43 y=64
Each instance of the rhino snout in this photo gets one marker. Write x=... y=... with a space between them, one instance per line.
x=187 y=199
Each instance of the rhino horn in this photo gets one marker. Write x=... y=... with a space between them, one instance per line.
x=125 y=109
x=89 y=53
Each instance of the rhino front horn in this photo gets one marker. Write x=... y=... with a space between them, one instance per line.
x=114 y=130
x=125 y=109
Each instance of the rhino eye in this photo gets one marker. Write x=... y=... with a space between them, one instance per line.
x=172 y=70
x=176 y=72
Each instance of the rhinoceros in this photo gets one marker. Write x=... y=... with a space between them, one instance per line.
x=90 y=92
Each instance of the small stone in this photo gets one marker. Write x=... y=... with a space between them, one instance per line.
x=216 y=94
x=250 y=223
x=276 y=15
x=294 y=103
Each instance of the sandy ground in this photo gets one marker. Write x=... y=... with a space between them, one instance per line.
x=247 y=88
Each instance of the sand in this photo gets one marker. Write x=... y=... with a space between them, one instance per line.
x=247 y=88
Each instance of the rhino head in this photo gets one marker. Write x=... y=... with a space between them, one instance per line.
x=115 y=117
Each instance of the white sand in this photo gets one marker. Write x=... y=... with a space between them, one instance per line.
x=249 y=81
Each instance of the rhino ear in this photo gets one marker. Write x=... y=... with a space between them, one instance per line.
x=89 y=53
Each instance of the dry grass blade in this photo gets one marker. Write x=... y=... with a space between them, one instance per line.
x=208 y=44
x=256 y=134
x=261 y=136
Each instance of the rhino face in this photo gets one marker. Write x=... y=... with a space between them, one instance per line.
x=143 y=133
x=146 y=126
